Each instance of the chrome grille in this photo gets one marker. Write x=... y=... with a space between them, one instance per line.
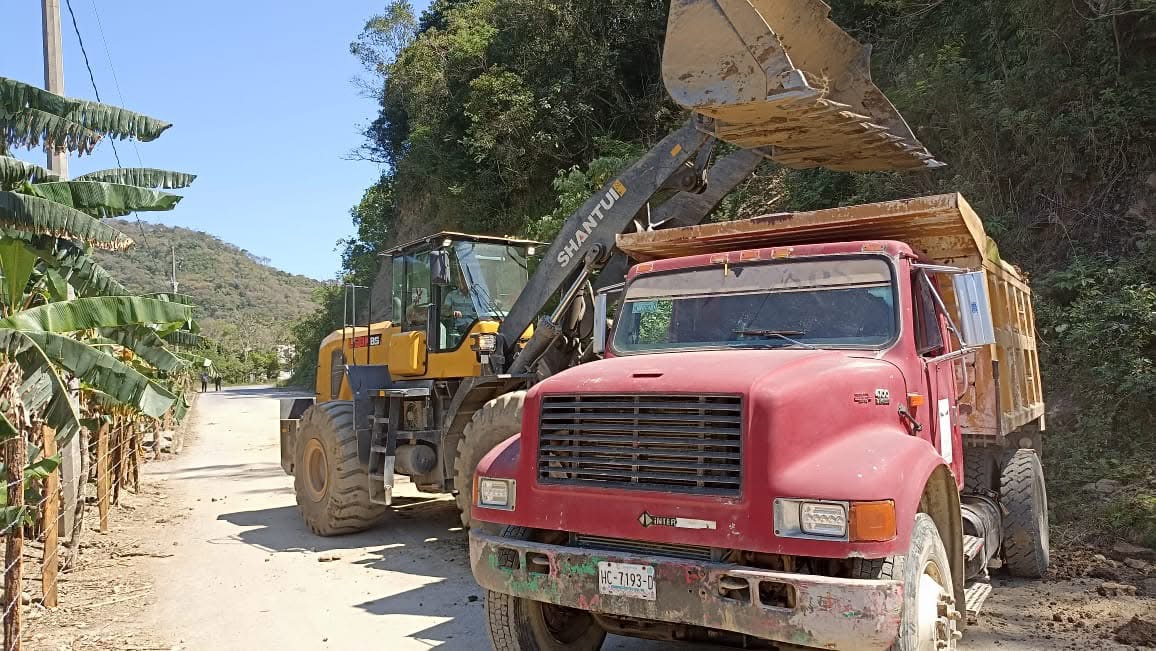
x=643 y=548
x=687 y=443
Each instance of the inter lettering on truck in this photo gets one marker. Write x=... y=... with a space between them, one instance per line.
x=582 y=233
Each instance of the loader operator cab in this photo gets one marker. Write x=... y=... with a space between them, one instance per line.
x=446 y=283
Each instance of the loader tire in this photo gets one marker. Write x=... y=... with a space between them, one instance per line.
x=520 y=624
x=496 y=421
x=1025 y=522
x=929 y=619
x=331 y=484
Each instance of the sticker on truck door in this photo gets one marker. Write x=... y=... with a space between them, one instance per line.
x=945 y=450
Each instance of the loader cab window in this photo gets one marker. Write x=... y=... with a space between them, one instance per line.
x=485 y=279
x=412 y=290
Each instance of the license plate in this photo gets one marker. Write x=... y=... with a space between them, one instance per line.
x=626 y=580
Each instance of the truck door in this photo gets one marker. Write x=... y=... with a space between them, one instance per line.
x=939 y=415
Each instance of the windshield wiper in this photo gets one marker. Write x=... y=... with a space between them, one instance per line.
x=785 y=335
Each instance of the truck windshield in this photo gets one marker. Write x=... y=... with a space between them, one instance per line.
x=844 y=302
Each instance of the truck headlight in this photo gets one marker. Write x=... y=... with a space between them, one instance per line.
x=810 y=519
x=496 y=493
x=823 y=519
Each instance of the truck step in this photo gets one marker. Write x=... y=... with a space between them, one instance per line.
x=972 y=546
x=974 y=596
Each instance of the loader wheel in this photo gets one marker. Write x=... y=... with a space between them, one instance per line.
x=1025 y=521
x=518 y=624
x=332 y=486
x=496 y=421
x=929 y=620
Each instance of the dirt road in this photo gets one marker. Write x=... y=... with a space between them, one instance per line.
x=233 y=567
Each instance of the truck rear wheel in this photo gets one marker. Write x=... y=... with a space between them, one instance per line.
x=517 y=624
x=331 y=484
x=929 y=619
x=1025 y=523
x=496 y=421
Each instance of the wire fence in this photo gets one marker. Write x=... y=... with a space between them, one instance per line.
x=38 y=547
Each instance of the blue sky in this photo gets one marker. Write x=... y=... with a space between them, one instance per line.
x=262 y=103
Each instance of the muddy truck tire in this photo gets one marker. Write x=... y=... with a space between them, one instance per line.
x=517 y=624
x=331 y=484
x=496 y=421
x=929 y=619
x=1025 y=522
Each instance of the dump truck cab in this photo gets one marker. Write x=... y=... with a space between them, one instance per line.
x=790 y=439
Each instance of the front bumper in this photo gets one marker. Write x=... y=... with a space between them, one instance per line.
x=829 y=613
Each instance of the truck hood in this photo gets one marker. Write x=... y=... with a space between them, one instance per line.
x=741 y=371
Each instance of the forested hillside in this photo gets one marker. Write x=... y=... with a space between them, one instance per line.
x=244 y=306
x=501 y=116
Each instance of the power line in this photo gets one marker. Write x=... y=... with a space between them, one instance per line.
x=91 y=77
x=112 y=69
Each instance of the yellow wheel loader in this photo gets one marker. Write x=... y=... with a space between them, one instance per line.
x=429 y=392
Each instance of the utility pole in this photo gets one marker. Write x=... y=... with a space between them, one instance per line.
x=70 y=453
x=176 y=285
x=54 y=75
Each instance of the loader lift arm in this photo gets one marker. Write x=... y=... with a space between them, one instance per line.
x=586 y=240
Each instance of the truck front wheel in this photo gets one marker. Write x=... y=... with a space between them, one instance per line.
x=929 y=619
x=331 y=484
x=518 y=624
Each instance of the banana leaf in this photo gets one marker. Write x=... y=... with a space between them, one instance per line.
x=38 y=215
x=17 y=263
x=96 y=312
x=14 y=171
x=104 y=199
x=104 y=372
x=145 y=343
x=18 y=99
x=33 y=128
x=184 y=338
x=143 y=177
x=80 y=269
x=183 y=299
x=41 y=388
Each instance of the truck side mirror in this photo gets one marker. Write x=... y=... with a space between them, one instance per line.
x=975 y=321
x=439 y=267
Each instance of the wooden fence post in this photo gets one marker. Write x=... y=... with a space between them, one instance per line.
x=51 y=559
x=102 y=478
x=14 y=461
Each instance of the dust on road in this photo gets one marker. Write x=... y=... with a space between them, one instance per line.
x=245 y=573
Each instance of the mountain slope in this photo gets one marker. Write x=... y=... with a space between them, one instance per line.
x=230 y=285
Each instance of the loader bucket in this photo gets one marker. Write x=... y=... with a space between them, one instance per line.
x=779 y=75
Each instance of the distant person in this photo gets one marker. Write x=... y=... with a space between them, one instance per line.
x=204 y=382
x=217 y=382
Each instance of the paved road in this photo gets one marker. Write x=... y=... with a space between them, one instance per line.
x=246 y=574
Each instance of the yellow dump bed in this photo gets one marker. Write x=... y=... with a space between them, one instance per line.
x=1003 y=380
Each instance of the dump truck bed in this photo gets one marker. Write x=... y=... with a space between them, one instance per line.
x=1007 y=393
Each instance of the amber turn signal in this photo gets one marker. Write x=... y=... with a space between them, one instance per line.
x=872 y=521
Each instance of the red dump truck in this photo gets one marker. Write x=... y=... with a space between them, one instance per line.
x=817 y=429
